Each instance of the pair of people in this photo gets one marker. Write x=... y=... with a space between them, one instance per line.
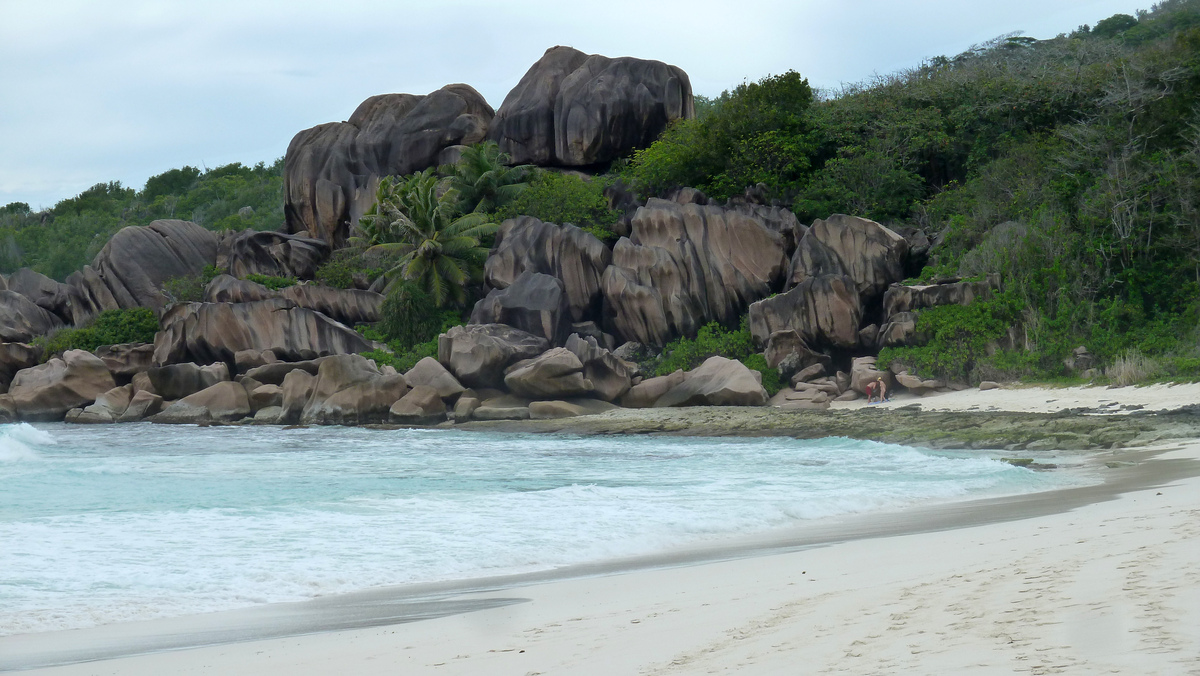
x=877 y=389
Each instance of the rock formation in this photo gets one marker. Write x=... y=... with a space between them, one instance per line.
x=575 y=109
x=15 y=357
x=687 y=265
x=22 y=320
x=271 y=253
x=826 y=311
x=48 y=391
x=478 y=354
x=349 y=390
x=717 y=382
x=865 y=251
x=331 y=170
x=534 y=302
x=555 y=374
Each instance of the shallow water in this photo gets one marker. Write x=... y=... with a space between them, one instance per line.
x=110 y=523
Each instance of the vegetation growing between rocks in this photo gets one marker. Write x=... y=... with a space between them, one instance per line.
x=273 y=283
x=559 y=197
x=111 y=327
x=713 y=340
x=190 y=289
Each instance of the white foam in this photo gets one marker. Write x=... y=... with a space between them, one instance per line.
x=16 y=442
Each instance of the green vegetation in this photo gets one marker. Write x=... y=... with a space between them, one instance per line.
x=436 y=248
x=558 y=197
x=111 y=327
x=410 y=316
x=63 y=239
x=189 y=289
x=484 y=181
x=273 y=283
x=714 y=340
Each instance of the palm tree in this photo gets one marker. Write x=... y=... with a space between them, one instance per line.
x=438 y=250
x=483 y=179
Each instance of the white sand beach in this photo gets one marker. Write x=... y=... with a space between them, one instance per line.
x=1104 y=579
x=1028 y=399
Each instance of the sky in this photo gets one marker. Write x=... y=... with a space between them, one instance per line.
x=123 y=90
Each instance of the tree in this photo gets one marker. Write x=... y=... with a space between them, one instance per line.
x=438 y=249
x=483 y=179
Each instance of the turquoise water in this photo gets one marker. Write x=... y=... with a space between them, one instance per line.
x=110 y=523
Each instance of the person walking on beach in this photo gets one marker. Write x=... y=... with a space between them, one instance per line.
x=882 y=389
x=871 y=388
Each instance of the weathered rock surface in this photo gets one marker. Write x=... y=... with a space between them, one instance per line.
x=478 y=354
x=650 y=390
x=13 y=358
x=47 y=392
x=48 y=294
x=348 y=306
x=125 y=360
x=610 y=377
x=264 y=396
x=905 y=299
x=275 y=373
x=717 y=382
x=208 y=332
x=575 y=109
x=422 y=405
x=107 y=408
x=865 y=251
x=825 y=311
x=571 y=408
x=687 y=265
x=230 y=289
x=131 y=268
x=331 y=171
x=534 y=302
x=349 y=390
x=429 y=372
x=555 y=374
x=224 y=402
x=22 y=320
x=863 y=371
x=503 y=407
x=244 y=360
x=778 y=219
x=574 y=257
x=271 y=253
x=899 y=329
x=180 y=380
x=143 y=404
x=297 y=388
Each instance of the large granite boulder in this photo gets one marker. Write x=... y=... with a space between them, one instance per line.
x=142 y=405
x=555 y=374
x=900 y=329
x=296 y=389
x=777 y=218
x=331 y=171
x=825 y=311
x=224 y=402
x=46 y=392
x=349 y=306
x=131 y=268
x=685 y=266
x=176 y=381
x=422 y=405
x=107 y=408
x=126 y=360
x=901 y=299
x=610 y=377
x=534 y=302
x=349 y=390
x=275 y=254
x=717 y=382
x=865 y=251
x=650 y=390
x=863 y=370
x=576 y=258
x=22 y=320
x=15 y=357
x=276 y=372
x=575 y=109
x=230 y=289
x=478 y=354
x=429 y=372
x=48 y=294
x=209 y=332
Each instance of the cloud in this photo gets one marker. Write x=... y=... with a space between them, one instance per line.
x=127 y=89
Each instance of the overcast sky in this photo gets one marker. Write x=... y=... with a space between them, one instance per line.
x=124 y=90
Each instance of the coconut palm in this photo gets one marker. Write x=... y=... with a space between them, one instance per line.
x=435 y=248
x=483 y=179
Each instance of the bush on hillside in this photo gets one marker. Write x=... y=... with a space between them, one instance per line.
x=273 y=283
x=190 y=289
x=713 y=340
x=409 y=316
x=557 y=197
x=111 y=327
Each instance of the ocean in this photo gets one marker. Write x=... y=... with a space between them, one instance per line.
x=102 y=524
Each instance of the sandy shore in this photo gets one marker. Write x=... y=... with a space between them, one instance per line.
x=1049 y=400
x=1101 y=579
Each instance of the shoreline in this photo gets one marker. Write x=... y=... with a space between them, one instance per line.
x=126 y=645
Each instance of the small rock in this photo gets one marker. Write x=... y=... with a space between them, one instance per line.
x=989 y=385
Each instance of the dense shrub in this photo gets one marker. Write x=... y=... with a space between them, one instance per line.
x=273 y=283
x=189 y=289
x=404 y=360
x=111 y=327
x=409 y=316
x=557 y=197
x=713 y=340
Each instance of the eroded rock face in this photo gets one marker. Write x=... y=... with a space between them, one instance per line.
x=865 y=251
x=534 y=303
x=331 y=171
x=863 y=371
x=609 y=376
x=825 y=311
x=271 y=253
x=47 y=392
x=22 y=320
x=574 y=257
x=645 y=393
x=131 y=268
x=224 y=402
x=48 y=294
x=478 y=354
x=180 y=380
x=421 y=406
x=430 y=373
x=107 y=408
x=349 y=306
x=575 y=109
x=349 y=390
x=209 y=332
x=555 y=374
x=901 y=299
x=717 y=382
x=15 y=357
x=687 y=265
x=126 y=360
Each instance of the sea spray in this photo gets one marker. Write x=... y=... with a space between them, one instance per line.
x=128 y=522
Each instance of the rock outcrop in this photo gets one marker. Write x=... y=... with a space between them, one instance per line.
x=422 y=405
x=429 y=372
x=717 y=382
x=534 y=303
x=331 y=171
x=209 y=332
x=46 y=392
x=126 y=360
x=901 y=299
x=555 y=374
x=48 y=294
x=349 y=306
x=687 y=265
x=224 y=402
x=825 y=311
x=181 y=380
x=131 y=268
x=15 y=357
x=269 y=253
x=575 y=109
x=22 y=320
x=608 y=375
x=865 y=251
x=478 y=354
x=349 y=390
x=576 y=258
